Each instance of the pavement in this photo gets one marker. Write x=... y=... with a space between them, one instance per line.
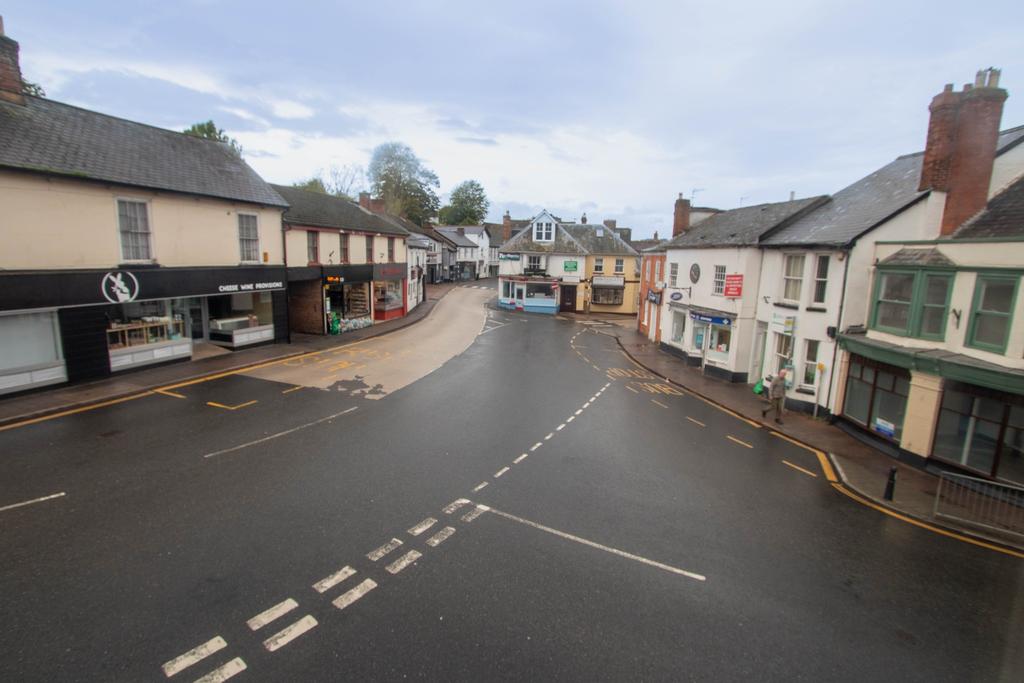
x=535 y=507
x=862 y=468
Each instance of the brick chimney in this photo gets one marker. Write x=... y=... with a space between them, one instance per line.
x=462 y=232
x=10 y=69
x=583 y=219
x=364 y=200
x=655 y=235
x=506 y=227
x=963 y=132
x=681 y=219
x=610 y=223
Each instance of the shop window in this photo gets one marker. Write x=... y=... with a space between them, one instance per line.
x=792 y=277
x=539 y=290
x=620 y=266
x=387 y=295
x=144 y=322
x=344 y=248
x=248 y=238
x=673 y=274
x=29 y=339
x=369 y=248
x=718 y=345
x=678 y=326
x=982 y=430
x=611 y=296
x=598 y=265
x=133 y=223
x=783 y=351
x=718 y=283
x=991 y=312
x=821 y=279
x=810 y=362
x=507 y=289
x=312 y=246
x=876 y=397
x=391 y=250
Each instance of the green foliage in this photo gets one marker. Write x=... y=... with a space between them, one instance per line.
x=210 y=131
x=30 y=88
x=467 y=205
x=314 y=184
x=341 y=181
x=399 y=178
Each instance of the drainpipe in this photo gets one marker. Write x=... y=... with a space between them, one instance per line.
x=284 y=250
x=839 y=324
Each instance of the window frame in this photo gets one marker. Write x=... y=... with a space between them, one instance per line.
x=673 y=274
x=783 y=361
x=391 y=250
x=718 y=284
x=120 y=233
x=1008 y=400
x=972 y=325
x=807 y=360
x=530 y=262
x=819 y=280
x=917 y=304
x=799 y=278
x=369 y=248
x=599 y=264
x=241 y=251
x=343 y=247
x=617 y=296
x=313 y=246
x=620 y=266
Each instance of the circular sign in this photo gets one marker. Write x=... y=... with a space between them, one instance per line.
x=694 y=273
x=119 y=286
x=676 y=296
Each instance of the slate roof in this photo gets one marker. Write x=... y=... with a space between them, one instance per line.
x=648 y=245
x=599 y=239
x=1003 y=217
x=918 y=257
x=51 y=137
x=453 y=235
x=415 y=241
x=523 y=243
x=743 y=226
x=871 y=200
x=327 y=211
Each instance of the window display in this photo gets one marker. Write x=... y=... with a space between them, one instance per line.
x=539 y=290
x=611 y=296
x=143 y=322
x=876 y=396
x=387 y=295
x=718 y=345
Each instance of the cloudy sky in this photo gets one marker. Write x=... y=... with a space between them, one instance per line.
x=608 y=108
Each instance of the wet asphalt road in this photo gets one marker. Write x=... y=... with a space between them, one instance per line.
x=157 y=549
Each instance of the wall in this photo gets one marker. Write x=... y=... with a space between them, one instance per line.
x=330 y=240
x=306 y=306
x=631 y=278
x=1007 y=167
x=51 y=223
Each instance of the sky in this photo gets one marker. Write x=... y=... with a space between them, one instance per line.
x=606 y=108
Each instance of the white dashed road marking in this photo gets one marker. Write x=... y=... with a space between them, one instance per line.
x=535 y=446
x=404 y=561
x=380 y=552
x=223 y=673
x=279 y=434
x=423 y=526
x=580 y=410
x=329 y=582
x=265 y=617
x=33 y=501
x=549 y=436
x=196 y=654
x=520 y=458
x=560 y=427
x=353 y=594
x=481 y=486
x=439 y=538
x=289 y=633
x=571 y=418
x=474 y=513
x=500 y=472
x=454 y=505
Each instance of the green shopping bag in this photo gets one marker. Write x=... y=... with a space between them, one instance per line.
x=759 y=387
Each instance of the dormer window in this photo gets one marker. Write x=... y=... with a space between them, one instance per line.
x=543 y=232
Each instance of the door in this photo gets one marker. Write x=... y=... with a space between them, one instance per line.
x=568 y=300
x=760 y=338
x=520 y=296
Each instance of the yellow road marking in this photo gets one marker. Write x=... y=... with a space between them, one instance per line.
x=632 y=389
x=656 y=401
x=170 y=393
x=929 y=527
x=221 y=405
x=826 y=466
x=288 y=391
x=800 y=469
x=695 y=421
x=742 y=443
x=73 y=411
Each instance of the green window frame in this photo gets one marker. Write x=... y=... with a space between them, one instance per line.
x=979 y=313
x=923 y=308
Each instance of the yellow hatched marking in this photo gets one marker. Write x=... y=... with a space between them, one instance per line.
x=170 y=393
x=214 y=404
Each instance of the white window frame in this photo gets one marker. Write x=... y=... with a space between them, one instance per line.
x=673 y=274
x=149 y=224
x=598 y=264
x=806 y=360
x=259 y=243
x=799 y=278
x=781 y=361
x=529 y=262
x=817 y=279
x=718 y=283
x=620 y=266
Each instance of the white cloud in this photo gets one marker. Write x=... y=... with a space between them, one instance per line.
x=287 y=109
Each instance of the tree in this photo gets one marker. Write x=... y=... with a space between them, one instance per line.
x=314 y=184
x=341 y=181
x=209 y=131
x=467 y=205
x=399 y=178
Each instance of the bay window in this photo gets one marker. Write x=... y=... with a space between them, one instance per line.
x=912 y=303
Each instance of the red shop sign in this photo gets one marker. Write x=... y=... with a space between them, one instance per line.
x=734 y=286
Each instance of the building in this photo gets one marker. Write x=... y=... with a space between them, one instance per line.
x=467 y=253
x=417 y=247
x=550 y=266
x=125 y=245
x=479 y=235
x=346 y=265
x=711 y=293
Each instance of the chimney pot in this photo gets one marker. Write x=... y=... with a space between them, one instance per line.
x=993 y=77
x=979 y=79
x=655 y=235
x=583 y=219
x=364 y=200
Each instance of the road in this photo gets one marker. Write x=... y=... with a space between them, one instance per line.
x=483 y=495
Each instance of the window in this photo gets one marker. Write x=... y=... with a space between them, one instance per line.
x=507 y=289
x=533 y=263
x=821 y=279
x=876 y=396
x=248 y=238
x=344 y=248
x=598 y=265
x=539 y=290
x=611 y=296
x=718 y=285
x=810 y=362
x=673 y=274
x=792 y=277
x=391 y=250
x=647 y=268
x=313 y=246
x=718 y=345
x=133 y=222
x=657 y=271
x=543 y=232
x=29 y=339
x=369 y=248
x=990 y=312
x=678 y=326
x=981 y=429
x=783 y=351
x=912 y=303
x=620 y=266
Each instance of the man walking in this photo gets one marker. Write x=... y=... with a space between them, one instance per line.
x=776 y=396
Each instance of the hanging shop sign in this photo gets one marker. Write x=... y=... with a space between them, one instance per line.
x=695 y=273
x=713 y=319
x=733 y=286
x=654 y=297
x=119 y=286
x=675 y=296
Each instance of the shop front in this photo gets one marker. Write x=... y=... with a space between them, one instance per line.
x=876 y=396
x=75 y=325
x=389 y=291
x=347 y=291
x=529 y=294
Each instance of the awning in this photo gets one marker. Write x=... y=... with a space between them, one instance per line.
x=609 y=286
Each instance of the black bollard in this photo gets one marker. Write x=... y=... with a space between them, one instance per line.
x=890 y=486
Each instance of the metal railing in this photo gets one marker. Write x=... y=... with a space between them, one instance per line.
x=980 y=502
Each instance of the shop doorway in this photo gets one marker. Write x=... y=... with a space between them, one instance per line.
x=568 y=299
x=760 y=339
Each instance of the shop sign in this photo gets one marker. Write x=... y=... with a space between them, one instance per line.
x=786 y=324
x=713 y=319
x=333 y=279
x=608 y=281
x=249 y=287
x=654 y=297
x=389 y=271
x=569 y=266
x=675 y=296
x=885 y=428
x=695 y=273
x=571 y=279
x=119 y=286
x=508 y=257
x=734 y=286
